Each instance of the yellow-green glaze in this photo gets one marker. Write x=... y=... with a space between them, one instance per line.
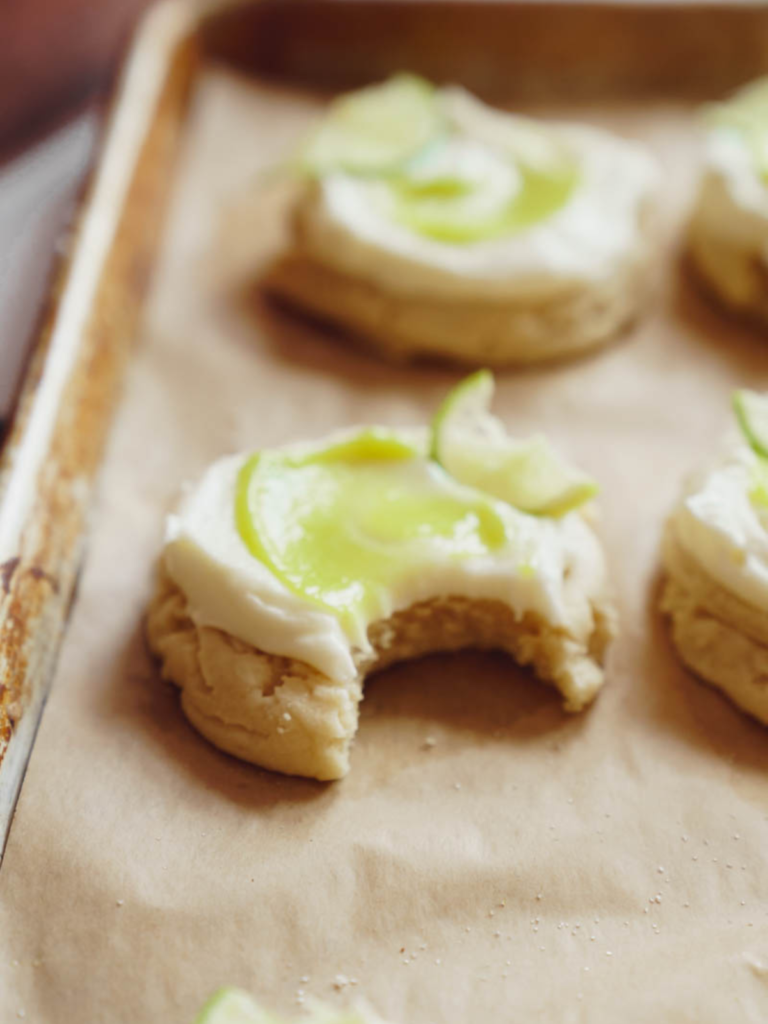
x=341 y=526
x=758 y=493
x=431 y=210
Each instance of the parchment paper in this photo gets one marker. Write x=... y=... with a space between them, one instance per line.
x=528 y=866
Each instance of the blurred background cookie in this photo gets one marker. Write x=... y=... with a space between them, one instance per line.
x=716 y=561
x=429 y=224
x=728 y=237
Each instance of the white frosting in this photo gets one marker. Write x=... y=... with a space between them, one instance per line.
x=733 y=199
x=346 y=226
x=495 y=180
x=718 y=525
x=228 y=588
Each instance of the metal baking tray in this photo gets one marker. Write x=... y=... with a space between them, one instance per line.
x=53 y=447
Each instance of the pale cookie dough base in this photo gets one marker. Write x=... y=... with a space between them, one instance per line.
x=282 y=714
x=722 y=638
x=478 y=333
x=736 y=276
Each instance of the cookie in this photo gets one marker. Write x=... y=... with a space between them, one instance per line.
x=288 y=576
x=715 y=557
x=499 y=241
x=728 y=234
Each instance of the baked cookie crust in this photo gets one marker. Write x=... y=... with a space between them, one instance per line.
x=283 y=714
x=519 y=331
x=735 y=275
x=723 y=639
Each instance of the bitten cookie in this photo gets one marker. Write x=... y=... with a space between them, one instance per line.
x=480 y=237
x=715 y=557
x=728 y=236
x=289 y=576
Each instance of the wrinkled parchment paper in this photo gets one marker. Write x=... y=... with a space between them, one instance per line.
x=489 y=858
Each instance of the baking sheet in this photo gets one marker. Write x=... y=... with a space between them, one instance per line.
x=526 y=866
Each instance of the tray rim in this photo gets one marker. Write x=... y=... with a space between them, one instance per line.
x=42 y=540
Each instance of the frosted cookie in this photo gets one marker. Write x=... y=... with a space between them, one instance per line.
x=290 y=575
x=716 y=560
x=430 y=224
x=234 y=1006
x=728 y=238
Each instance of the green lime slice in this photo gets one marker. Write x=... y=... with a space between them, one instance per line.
x=751 y=410
x=232 y=1006
x=458 y=412
x=374 y=130
x=473 y=446
x=341 y=526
